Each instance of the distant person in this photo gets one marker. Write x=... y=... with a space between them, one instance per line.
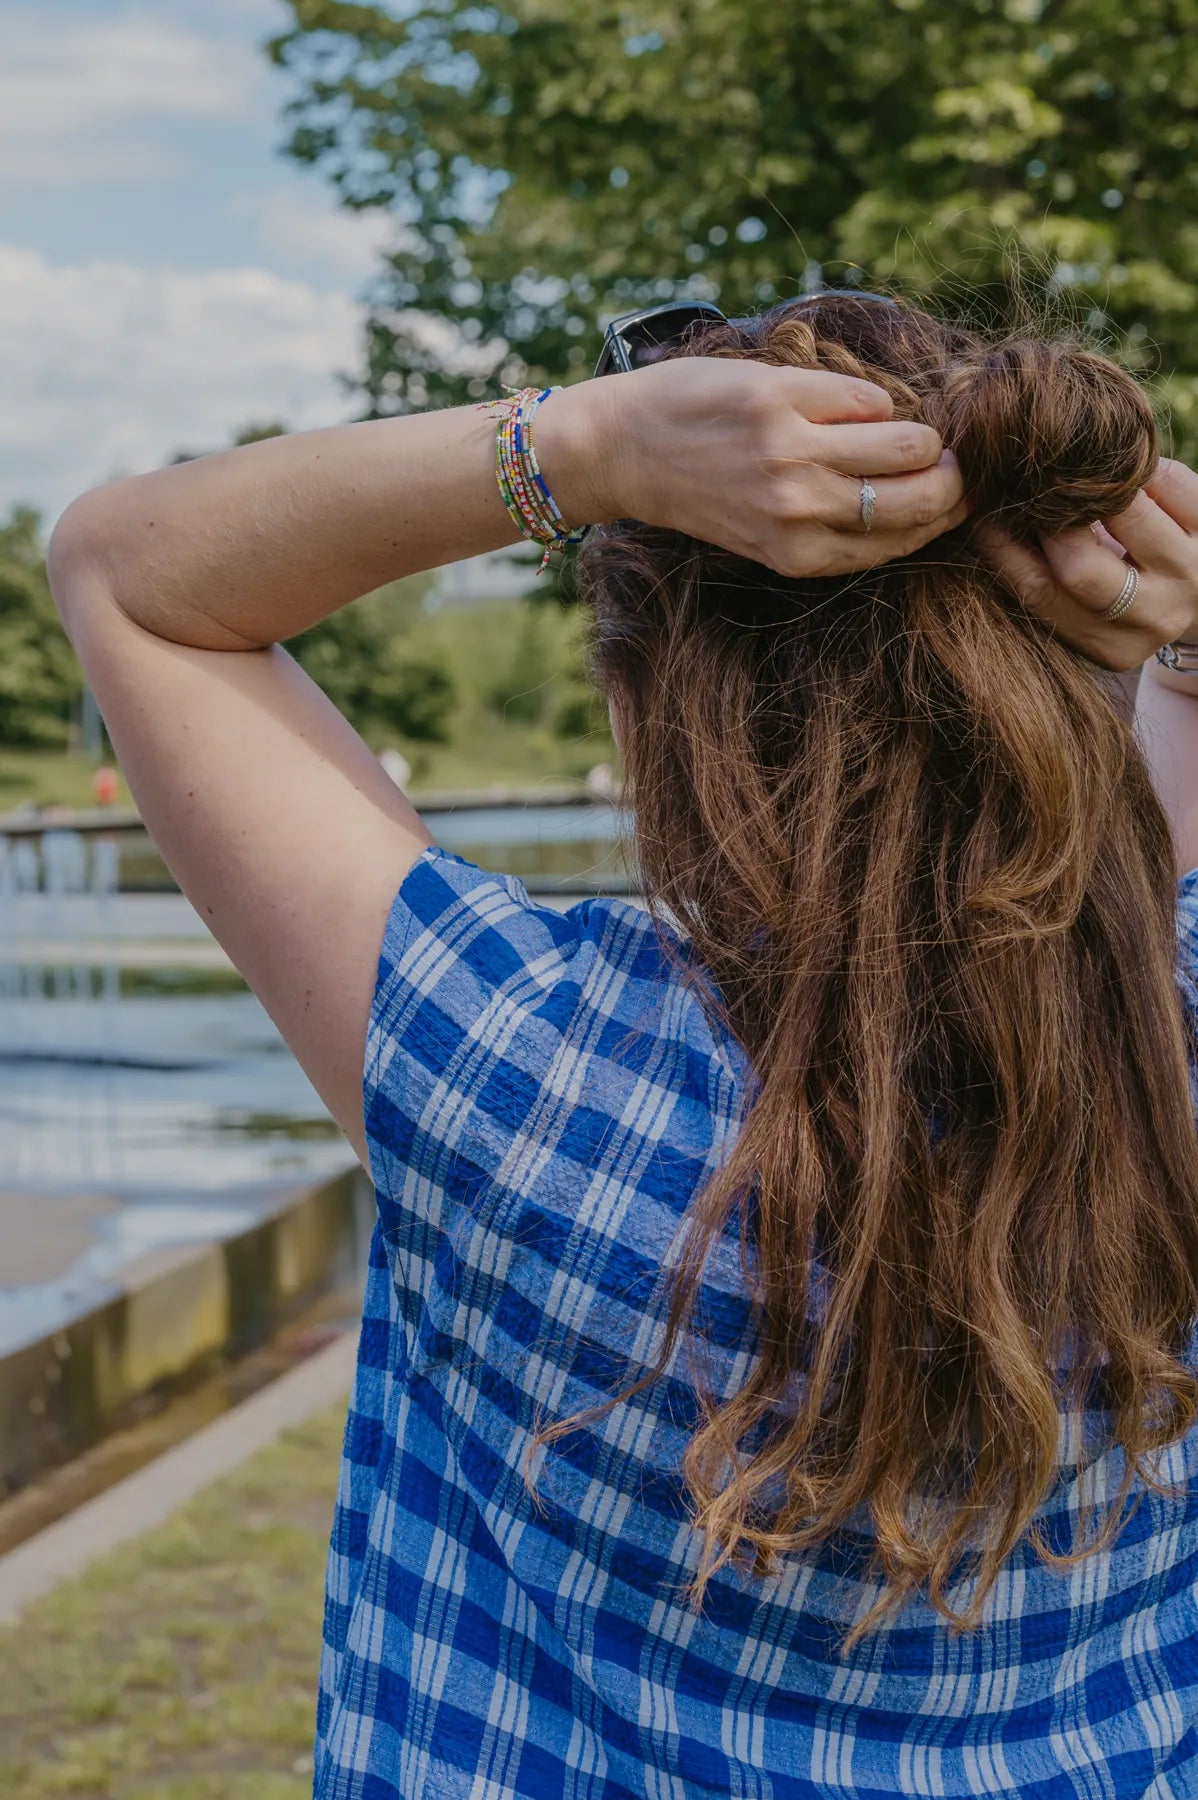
x=601 y=782
x=395 y=765
x=778 y=1373
x=105 y=786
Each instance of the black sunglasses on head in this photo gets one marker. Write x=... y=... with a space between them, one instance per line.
x=636 y=339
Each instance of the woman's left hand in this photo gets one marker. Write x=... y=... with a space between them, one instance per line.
x=1072 y=579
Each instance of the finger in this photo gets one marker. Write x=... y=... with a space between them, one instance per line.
x=902 y=503
x=1151 y=537
x=1025 y=569
x=1033 y=581
x=878 y=449
x=1175 y=488
x=1036 y=584
x=1089 y=571
x=826 y=398
x=1120 y=646
x=854 y=550
x=1035 y=578
x=1092 y=578
x=1104 y=537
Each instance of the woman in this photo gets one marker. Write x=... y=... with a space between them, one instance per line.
x=882 y=1488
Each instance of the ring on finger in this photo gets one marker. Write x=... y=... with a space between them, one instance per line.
x=869 y=499
x=1127 y=595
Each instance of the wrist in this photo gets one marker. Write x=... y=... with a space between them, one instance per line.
x=577 y=437
x=1181 y=653
x=1177 y=679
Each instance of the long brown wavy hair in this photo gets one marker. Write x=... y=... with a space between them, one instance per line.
x=916 y=847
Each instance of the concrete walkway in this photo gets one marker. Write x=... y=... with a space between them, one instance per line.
x=148 y=1497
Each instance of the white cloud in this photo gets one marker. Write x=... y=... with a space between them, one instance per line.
x=80 y=98
x=302 y=229
x=107 y=368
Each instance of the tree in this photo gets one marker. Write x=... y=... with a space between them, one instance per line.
x=40 y=681
x=253 y=433
x=358 y=657
x=521 y=691
x=551 y=163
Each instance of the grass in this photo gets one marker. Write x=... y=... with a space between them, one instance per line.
x=48 y=777
x=183 y=1667
x=520 y=756
x=512 y=666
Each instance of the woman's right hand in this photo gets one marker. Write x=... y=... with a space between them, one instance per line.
x=766 y=462
x=1067 y=582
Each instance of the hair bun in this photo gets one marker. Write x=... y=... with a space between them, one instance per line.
x=1047 y=435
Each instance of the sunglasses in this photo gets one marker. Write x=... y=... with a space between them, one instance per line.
x=636 y=339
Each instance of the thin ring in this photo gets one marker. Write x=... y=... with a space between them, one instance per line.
x=1127 y=595
x=869 y=496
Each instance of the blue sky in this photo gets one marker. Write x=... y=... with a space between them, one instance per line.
x=165 y=274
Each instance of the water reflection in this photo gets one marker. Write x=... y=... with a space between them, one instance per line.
x=146 y=1098
x=127 y=1045
x=574 y=848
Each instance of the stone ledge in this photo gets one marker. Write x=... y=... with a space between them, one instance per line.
x=178 y=1313
x=143 y=1500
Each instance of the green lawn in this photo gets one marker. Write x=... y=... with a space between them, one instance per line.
x=48 y=777
x=184 y=1666
x=513 y=666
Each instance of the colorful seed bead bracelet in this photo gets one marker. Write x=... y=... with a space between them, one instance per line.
x=524 y=490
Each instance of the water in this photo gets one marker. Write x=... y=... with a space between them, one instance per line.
x=128 y=1047
x=146 y=1098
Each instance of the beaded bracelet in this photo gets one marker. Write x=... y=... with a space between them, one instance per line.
x=524 y=490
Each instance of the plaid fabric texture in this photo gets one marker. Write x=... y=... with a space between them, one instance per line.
x=544 y=1095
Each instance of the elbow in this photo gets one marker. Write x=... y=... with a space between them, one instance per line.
x=82 y=552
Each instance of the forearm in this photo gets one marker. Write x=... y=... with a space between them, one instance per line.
x=250 y=546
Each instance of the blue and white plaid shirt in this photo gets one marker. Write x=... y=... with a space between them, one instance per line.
x=543 y=1097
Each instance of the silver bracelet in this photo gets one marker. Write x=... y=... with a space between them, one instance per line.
x=1179 y=655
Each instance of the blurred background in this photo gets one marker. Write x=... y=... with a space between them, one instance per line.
x=225 y=220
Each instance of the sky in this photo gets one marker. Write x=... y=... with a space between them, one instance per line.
x=166 y=275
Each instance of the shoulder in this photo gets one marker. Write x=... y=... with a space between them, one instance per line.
x=473 y=936
x=488 y=1004
x=525 y=1065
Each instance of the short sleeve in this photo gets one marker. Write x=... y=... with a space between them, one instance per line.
x=1187 y=937
x=476 y=992
x=1187 y=971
